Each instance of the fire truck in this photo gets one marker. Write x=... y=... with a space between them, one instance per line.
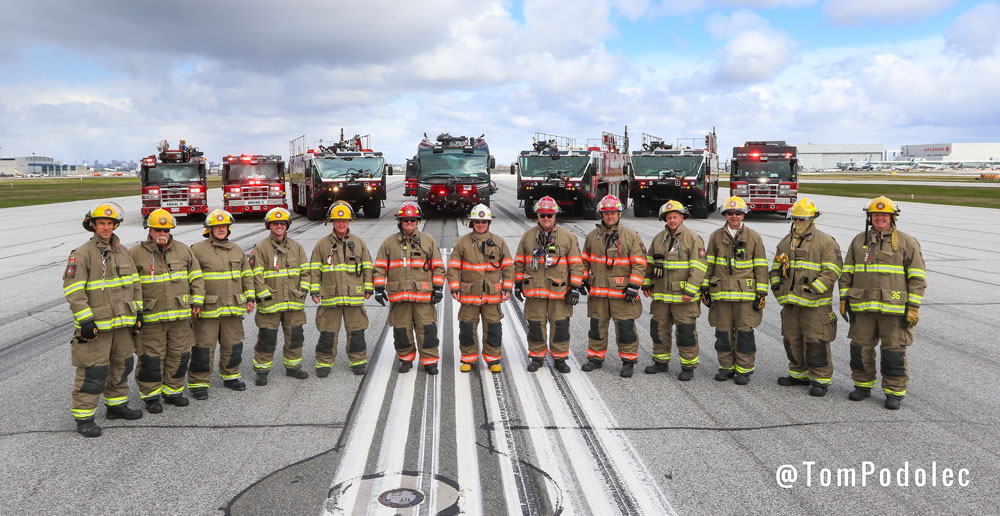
x=346 y=171
x=253 y=182
x=450 y=174
x=175 y=180
x=765 y=174
x=661 y=172
x=577 y=178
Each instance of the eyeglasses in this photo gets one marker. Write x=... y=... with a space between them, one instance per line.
x=407 y=221
x=480 y=222
x=159 y=230
x=546 y=215
x=733 y=213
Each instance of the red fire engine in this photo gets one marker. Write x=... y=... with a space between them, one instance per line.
x=346 y=171
x=175 y=180
x=765 y=174
x=253 y=182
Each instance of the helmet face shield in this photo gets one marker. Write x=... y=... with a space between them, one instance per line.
x=277 y=215
x=104 y=210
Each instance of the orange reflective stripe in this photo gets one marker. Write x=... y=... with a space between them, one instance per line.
x=379 y=281
x=437 y=280
x=490 y=358
x=564 y=354
x=597 y=354
x=428 y=361
x=607 y=292
x=408 y=357
x=544 y=292
x=455 y=263
x=480 y=300
x=628 y=356
x=454 y=285
x=574 y=260
x=635 y=279
x=381 y=262
x=518 y=276
x=470 y=358
x=537 y=354
x=419 y=297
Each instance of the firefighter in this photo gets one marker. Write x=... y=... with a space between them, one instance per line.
x=735 y=286
x=548 y=271
x=880 y=294
x=229 y=294
x=341 y=280
x=105 y=295
x=480 y=277
x=173 y=291
x=614 y=265
x=674 y=274
x=281 y=281
x=806 y=267
x=409 y=273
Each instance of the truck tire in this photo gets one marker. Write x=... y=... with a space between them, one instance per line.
x=314 y=210
x=640 y=208
x=295 y=201
x=589 y=206
x=426 y=209
x=373 y=209
x=529 y=208
x=699 y=209
x=715 y=198
x=199 y=217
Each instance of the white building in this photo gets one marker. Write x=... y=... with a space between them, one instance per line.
x=819 y=156
x=39 y=165
x=952 y=152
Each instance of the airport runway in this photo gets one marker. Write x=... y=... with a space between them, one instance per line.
x=517 y=442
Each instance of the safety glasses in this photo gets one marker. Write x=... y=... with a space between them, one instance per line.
x=480 y=222
x=733 y=213
x=158 y=230
x=407 y=221
x=545 y=215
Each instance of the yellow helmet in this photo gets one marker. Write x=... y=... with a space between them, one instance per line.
x=340 y=210
x=104 y=210
x=217 y=217
x=159 y=219
x=803 y=209
x=734 y=203
x=277 y=215
x=882 y=204
x=670 y=206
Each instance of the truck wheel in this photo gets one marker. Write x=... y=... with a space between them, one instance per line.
x=589 y=208
x=426 y=208
x=715 y=199
x=529 y=210
x=199 y=217
x=699 y=209
x=373 y=209
x=295 y=201
x=314 y=209
x=640 y=207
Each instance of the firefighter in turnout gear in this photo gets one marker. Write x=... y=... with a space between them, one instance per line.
x=229 y=294
x=548 y=271
x=806 y=267
x=880 y=294
x=105 y=295
x=736 y=288
x=281 y=281
x=480 y=277
x=675 y=271
x=341 y=280
x=172 y=292
x=409 y=273
x=614 y=265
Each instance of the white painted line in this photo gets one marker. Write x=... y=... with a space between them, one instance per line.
x=501 y=441
x=467 y=453
x=430 y=422
x=394 y=435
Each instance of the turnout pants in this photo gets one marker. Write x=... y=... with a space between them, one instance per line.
x=102 y=367
x=468 y=332
x=807 y=333
x=734 y=322
x=328 y=322
x=867 y=330
x=414 y=323
x=228 y=332
x=164 y=350
x=601 y=311
x=555 y=313
x=684 y=317
x=291 y=322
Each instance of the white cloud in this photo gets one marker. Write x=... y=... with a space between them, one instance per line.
x=723 y=26
x=976 y=32
x=754 y=56
x=855 y=12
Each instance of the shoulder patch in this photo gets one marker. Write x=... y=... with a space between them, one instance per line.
x=70 y=268
x=701 y=252
x=643 y=247
x=253 y=257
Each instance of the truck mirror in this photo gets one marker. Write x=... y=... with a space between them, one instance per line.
x=388 y=169
x=513 y=169
x=412 y=168
x=493 y=162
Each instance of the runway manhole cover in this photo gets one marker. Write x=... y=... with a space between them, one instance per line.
x=401 y=497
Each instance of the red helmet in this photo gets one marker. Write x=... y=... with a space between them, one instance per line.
x=408 y=210
x=609 y=203
x=546 y=205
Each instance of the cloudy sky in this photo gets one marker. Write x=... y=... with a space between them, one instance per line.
x=107 y=79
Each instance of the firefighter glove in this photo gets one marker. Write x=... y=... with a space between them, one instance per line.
x=137 y=327
x=631 y=293
x=783 y=260
x=657 y=269
x=585 y=288
x=911 y=316
x=88 y=331
x=380 y=295
x=519 y=291
x=706 y=299
x=845 y=310
x=437 y=295
x=775 y=285
x=264 y=299
x=759 y=303
x=573 y=296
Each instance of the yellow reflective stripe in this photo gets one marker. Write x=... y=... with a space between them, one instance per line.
x=849 y=268
x=282 y=307
x=915 y=299
x=343 y=300
x=760 y=262
x=304 y=285
x=894 y=393
x=110 y=324
x=224 y=275
x=222 y=311
x=169 y=391
x=825 y=381
x=796 y=300
x=915 y=273
x=733 y=296
x=293 y=362
x=693 y=361
x=74 y=287
x=261 y=365
x=167 y=315
x=819 y=286
x=359 y=362
x=249 y=294
x=743 y=370
x=802 y=264
x=865 y=385
x=111 y=402
x=197 y=299
x=83 y=315
x=669 y=298
x=879 y=267
x=800 y=375
x=235 y=376
x=324 y=364
x=663 y=356
x=199 y=385
x=832 y=266
x=265 y=293
x=116 y=282
x=284 y=273
x=878 y=306
x=155 y=393
x=83 y=413
x=166 y=276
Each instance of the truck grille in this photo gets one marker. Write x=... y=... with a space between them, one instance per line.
x=255 y=192
x=174 y=195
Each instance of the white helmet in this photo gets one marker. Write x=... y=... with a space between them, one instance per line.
x=480 y=212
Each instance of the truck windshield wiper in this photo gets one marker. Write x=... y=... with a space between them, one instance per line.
x=667 y=172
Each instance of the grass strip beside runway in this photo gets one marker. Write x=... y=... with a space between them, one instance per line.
x=29 y=192
x=950 y=195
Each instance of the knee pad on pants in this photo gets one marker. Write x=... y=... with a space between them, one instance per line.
x=626 y=331
x=535 y=331
x=595 y=329
x=857 y=362
x=816 y=354
x=356 y=344
x=149 y=369
x=745 y=342
x=400 y=338
x=430 y=336
x=562 y=330
x=94 y=378
x=893 y=362
x=267 y=340
x=465 y=336
x=298 y=338
x=182 y=369
x=494 y=334
x=722 y=341
x=237 y=357
x=325 y=342
x=654 y=331
x=199 y=359
x=129 y=364
x=685 y=335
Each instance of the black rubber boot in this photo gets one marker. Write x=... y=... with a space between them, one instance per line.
x=724 y=374
x=177 y=400
x=561 y=366
x=122 y=412
x=297 y=373
x=322 y=372
x=358 y=370
x=432 y=369
x=404 y=366
x=893 y=402
x=199 y=393
x=261 y=379
x=657 y=367
x=818 y=389
x=627 y=369
x=742 y=379
x=536 y=364
x=87 y=428
x=153 y=406
x=686 y=374
x=788 y=381
x=235 y=384
x=860 y=393
x=591 y=365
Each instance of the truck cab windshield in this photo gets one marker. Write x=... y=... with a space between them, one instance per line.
x=765 y=169
x=667 y=166
x=330 y=168
x=174 y=173
x=458 y=165
x=261 y=171
x=553 y=166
